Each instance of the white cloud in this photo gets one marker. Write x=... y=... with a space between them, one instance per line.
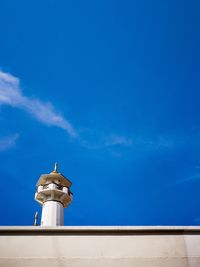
x=191 y=178
x=6 y=77
x=92 y=138
x=114 y=140
x=194 y=177
x=155 y=143
x=11 y=94
x=8 y=142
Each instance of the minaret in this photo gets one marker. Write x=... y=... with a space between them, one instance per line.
x=54 y=195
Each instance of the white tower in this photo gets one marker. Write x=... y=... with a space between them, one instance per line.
x=54 y=195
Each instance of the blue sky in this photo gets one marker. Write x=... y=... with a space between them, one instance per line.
x=110 y=91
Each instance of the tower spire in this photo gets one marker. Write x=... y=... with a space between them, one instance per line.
x=55 y=168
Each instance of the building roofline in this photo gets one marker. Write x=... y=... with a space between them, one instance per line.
x=100 y=230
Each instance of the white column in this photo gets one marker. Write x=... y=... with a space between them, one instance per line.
x=52 y=214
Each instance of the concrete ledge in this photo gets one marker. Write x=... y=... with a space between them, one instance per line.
x=100 y=230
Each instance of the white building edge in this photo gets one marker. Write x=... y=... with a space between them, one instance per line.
x=100 y=246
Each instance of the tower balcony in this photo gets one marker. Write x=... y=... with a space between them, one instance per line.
x=53 y=192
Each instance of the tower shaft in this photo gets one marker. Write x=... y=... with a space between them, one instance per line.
x=52 y=214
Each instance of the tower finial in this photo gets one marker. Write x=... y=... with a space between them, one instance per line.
x=36 y=219
x=55 y=168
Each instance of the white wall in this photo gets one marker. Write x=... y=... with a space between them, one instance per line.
x=103 y=247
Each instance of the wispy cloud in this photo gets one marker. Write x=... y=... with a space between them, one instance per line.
x=95 y=139
x=117 y=144
x=155 y=143
x=11 y=94
x=191 y=178
x=115 y=140
x=8 y=142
